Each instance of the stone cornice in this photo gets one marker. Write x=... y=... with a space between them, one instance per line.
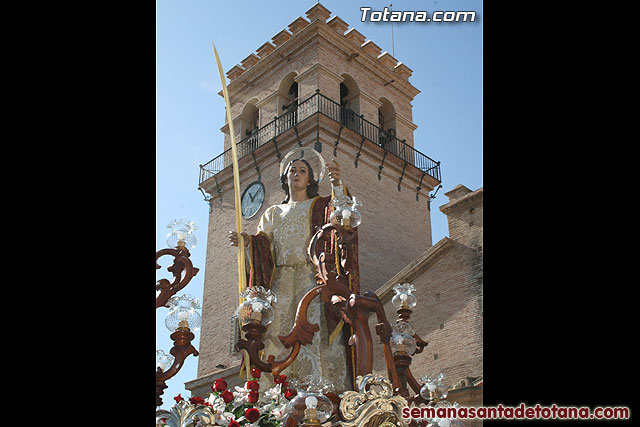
x=473 y=196
x=208 y=379
x=402 y=119
x=225 y=128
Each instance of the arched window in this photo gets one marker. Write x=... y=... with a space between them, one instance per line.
x=250 y=115
x=249 y=123
x=287 y=102
x=349 y=103
x=291 y=108
x=387 y=125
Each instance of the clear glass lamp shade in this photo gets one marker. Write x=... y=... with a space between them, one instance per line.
x=345 y=212
x=257 y=307
x=310 y=400
x=404 y=297
x=425 y=392
x=403 y=327
x=442 y=391
x=304 y=400
x=182 y=231
x=183 y=313
x=403 y=344
x=433 y=387
x=346 y=217
x=255 y=310
x=164 y=360
x=402 y=340
x=404 y=301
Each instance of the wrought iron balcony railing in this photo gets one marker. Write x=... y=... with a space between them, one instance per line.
x=320 y=104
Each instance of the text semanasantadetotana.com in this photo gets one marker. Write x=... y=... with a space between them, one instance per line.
x=519 y=412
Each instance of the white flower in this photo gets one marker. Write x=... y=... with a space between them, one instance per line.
x=242 y=390
x=241 y=396
x=273 y=393
x=214 y=400
x=279 y=411
x=225 y=418
x=265 y=409
x=219 y=408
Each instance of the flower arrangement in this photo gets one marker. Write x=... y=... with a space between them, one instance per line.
x=246 y=406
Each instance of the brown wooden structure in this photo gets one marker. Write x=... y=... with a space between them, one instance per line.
x=183 y=271
x=354 y=309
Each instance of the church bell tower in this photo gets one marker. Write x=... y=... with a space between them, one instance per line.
x=316 y=84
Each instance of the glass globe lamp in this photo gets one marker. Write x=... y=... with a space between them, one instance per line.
x=181 y=234
x=182 y=313
x=257 y=306
x=433 y=387
x=404 y=297
x=402 y=340
x=164 y=360
x=345 y=212
x=310 y=403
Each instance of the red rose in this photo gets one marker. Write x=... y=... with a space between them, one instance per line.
x=178 y=398
x=252 y=414
x=196 y=400
x=255 y=373
x=220 y=385
x=252 y=385
x=234 y=424
x=227 y=396
x=279 y=380
x=253 y=396
x=290 y=393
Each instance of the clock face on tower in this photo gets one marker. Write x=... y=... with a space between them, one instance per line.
x=252 y=199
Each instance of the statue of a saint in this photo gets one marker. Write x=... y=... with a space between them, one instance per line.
x=278 y=260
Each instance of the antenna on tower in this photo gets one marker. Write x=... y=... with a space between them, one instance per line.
x=393 y=53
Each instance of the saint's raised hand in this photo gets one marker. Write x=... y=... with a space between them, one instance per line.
x=334 y=173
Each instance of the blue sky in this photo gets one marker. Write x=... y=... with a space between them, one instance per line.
x=446 y=59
